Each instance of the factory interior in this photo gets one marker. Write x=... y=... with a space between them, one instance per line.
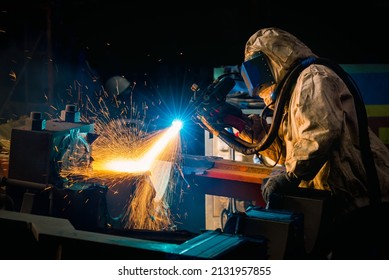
x=96 y=164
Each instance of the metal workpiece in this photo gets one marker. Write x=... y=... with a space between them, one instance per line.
x=70 y=114
x=36 y=156
x=35 y=122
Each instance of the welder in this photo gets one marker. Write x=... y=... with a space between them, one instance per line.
x=318 y=132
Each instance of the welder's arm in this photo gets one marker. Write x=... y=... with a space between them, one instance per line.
x=216 y=116
x=251 y=128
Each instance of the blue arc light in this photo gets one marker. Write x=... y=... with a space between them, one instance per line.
x=177 y=124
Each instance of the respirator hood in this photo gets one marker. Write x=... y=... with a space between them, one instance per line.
x=281 y=49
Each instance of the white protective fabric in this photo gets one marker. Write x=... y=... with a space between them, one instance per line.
x=319 y=132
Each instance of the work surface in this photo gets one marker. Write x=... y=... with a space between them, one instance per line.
x=218 y=176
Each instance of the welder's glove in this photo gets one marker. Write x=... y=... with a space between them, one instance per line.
x=219 y=113
x=232 y=116
x=255 y=129
x=279 y=184
x=223 y=114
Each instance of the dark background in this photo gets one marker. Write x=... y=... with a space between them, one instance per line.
x=56 y=52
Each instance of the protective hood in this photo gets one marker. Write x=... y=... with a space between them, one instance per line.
x=282 y=49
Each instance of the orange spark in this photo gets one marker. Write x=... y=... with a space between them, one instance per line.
x=136 y=168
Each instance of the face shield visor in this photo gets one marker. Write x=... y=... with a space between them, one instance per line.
x=257 y=74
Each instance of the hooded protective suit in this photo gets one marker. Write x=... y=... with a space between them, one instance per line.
x=319 y=133
x=318 y=137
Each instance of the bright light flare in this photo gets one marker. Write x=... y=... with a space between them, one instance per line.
x=144 y=164
x=178 y=124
